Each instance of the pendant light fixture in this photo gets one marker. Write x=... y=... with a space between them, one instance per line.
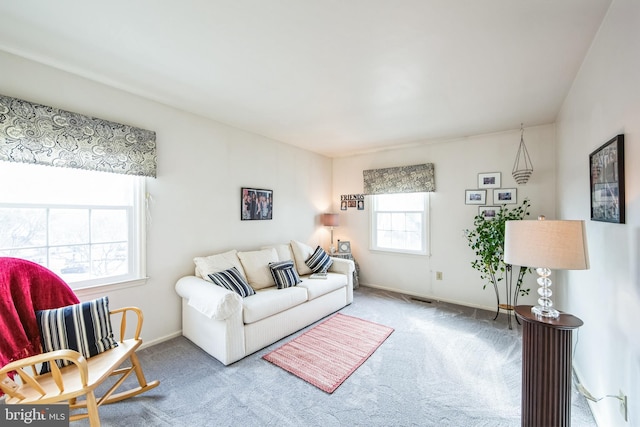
x=522 y=168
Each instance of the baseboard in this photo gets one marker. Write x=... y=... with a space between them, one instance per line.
x=146 y=344
x=428 y=297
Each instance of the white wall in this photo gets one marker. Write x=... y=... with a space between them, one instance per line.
x=457 y=164
x=202 y=165
x=604 y=102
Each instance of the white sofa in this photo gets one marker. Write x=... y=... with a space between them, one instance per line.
x=230 y=327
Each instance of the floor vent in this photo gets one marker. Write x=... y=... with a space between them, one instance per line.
x=422 y=300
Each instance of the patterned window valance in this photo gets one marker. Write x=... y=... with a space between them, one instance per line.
x=402 y=179
x=34 y=133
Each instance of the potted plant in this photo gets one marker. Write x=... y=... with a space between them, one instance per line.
x=486 y=238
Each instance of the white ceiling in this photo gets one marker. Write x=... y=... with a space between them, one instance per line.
x=332 y=76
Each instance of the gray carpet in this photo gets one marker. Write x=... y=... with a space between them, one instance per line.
x=444 y=365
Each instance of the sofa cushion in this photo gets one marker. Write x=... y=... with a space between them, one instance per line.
x=284 y=274
x=283 y=250
x=83 y=327
x=318 y=287
x=256 y=267
x=319 y=261
x=218 y=262
x=301 y=253
x=270 y=301
x=232 y=280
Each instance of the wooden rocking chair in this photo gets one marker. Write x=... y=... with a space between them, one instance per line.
x=82 y=376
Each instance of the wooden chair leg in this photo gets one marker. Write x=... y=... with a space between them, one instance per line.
x=135 y=362
x=92 y=410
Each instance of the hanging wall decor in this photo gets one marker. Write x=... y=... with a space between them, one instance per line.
x=522 y=168
x=352 y=201
x=607 y=181
x=256 y=204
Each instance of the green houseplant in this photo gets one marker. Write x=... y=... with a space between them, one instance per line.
x=486 y=238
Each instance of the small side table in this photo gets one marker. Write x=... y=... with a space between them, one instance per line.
x=546 y=368
x=356 y=273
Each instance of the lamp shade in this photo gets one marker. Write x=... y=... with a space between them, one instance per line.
x=557 y=245
x=330 y=220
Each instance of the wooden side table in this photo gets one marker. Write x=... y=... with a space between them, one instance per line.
x=356 y=273
x=546 y=368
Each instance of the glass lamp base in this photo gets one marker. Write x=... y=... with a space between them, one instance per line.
x=541 y=311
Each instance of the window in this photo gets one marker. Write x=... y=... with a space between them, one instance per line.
x=399 y=222
x=86 y=226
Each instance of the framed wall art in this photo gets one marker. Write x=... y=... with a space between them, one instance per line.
x=475 y=197
x=489 y=180
x=606 y=165
x=504 y=196
x=256 y=204
x=488 y=212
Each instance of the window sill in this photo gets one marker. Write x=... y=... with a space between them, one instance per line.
x=108 y=287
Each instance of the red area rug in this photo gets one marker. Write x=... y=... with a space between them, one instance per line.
x=328 y=353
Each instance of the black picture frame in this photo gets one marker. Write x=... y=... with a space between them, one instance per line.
x=256 y=204
x=606 y=173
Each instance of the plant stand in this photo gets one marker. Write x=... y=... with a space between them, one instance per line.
x=512 y=296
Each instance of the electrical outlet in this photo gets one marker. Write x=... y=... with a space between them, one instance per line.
x=623 y=405
x=438 y=275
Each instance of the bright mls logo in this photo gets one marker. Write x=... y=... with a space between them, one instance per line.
x=35 y=415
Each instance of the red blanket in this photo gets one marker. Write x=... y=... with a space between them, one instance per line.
x=24 y=288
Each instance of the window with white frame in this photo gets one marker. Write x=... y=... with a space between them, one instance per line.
x=86 y=226
x=399 y=222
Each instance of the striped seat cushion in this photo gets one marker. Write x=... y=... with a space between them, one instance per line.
x=232 y=279
x=83 y=327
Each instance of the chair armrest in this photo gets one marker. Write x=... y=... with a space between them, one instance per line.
x=211 y=300
x=123 y=320
x=21 y=366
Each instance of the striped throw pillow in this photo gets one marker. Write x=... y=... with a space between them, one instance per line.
x=284 y=274
x=83 y=327
x=232 y=279
x=319 y=261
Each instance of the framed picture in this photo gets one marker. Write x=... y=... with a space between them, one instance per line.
x=505 y=196
x=360 y=205
x=344 y=247
x=607 y=181
x=343 y=205
x=488 y=212
x=489 y=180
x=256 y=204
x=475 y=197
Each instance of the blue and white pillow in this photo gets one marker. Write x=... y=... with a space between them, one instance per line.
x=319 y=261
x=284 y=274
x=83 y=327
x=232 y=279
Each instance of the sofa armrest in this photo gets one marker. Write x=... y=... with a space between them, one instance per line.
x=344 y=266
x=209 y=299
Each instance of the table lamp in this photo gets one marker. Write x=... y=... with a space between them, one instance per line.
x=545 y=245
x=330 y=220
